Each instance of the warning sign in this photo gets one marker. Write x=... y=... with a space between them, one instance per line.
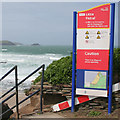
x=93 y=42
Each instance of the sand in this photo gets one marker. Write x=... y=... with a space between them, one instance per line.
x=12 y=101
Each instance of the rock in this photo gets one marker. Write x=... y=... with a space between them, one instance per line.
x=47 y=86
x=7 y=115
x=66 y=91
x=35 y=44
x=68 y=97
x=46 y=83
x=53 y=90
x=47 y=110
x=32 y=81
x=66 y=94
x=71 y=84
x=46 y=92
x=47 y=106
x=94 y=104
x=49 y=90
x=38 y=83
x=67 y=86
x=36 y=86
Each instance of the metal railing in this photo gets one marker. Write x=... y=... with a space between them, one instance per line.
x=16 y=86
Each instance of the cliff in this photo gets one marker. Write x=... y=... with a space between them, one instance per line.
x=6 y=42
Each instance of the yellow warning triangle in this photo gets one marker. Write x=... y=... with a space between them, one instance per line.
x=87 y=37
x=87 y=32
x=98 y=37
x=98 y=32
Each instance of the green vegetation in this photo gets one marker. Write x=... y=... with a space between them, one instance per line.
x=26 y=91
x=60 y=71
x=94 y=113
x=116 y=61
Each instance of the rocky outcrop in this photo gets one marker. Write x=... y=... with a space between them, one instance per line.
x=7 y=115
x=53 y=95
x=61 y=89
x=35 y=44
x=6 y=42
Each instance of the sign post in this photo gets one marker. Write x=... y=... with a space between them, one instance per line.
x=74 y=61
x=95 y=38
x=111 y=57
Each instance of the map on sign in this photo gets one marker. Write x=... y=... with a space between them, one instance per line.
x=95 y=79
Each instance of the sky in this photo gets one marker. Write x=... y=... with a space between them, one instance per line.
x=46 y=23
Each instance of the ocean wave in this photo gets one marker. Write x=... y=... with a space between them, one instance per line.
x=50 y=54
x=16 y=60
x=4 y=50
x=26 y=65
x=55 y=58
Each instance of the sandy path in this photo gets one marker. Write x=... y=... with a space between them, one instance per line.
x=12 y=101
x=44 y=115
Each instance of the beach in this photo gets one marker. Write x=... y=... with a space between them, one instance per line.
x=12 y=101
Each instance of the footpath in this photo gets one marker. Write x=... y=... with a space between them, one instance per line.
x=45 y=115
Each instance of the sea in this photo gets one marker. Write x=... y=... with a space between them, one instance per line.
x=27 y=59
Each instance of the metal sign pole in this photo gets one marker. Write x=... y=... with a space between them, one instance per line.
x=111 y=57
x=73 y=61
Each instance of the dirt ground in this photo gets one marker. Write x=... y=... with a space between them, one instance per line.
x=79 y=113
x=97 y=108
x=90 y=113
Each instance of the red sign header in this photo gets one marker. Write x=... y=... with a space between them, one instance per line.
x=97 y=17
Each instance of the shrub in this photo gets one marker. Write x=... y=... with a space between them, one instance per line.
x=116 y=60
x=58 y=72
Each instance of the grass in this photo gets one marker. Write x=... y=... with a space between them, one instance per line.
x=94 y=113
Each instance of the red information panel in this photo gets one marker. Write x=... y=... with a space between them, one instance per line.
x=97 y=17
x=92 y=59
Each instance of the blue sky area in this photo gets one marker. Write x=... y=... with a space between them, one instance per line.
x=47 y=23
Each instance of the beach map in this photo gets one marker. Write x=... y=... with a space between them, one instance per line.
x=96 y=80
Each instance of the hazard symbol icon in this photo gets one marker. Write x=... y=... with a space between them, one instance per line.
x=87 y=32
x=98 y=37
x=87 y=37
x=98 y=32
